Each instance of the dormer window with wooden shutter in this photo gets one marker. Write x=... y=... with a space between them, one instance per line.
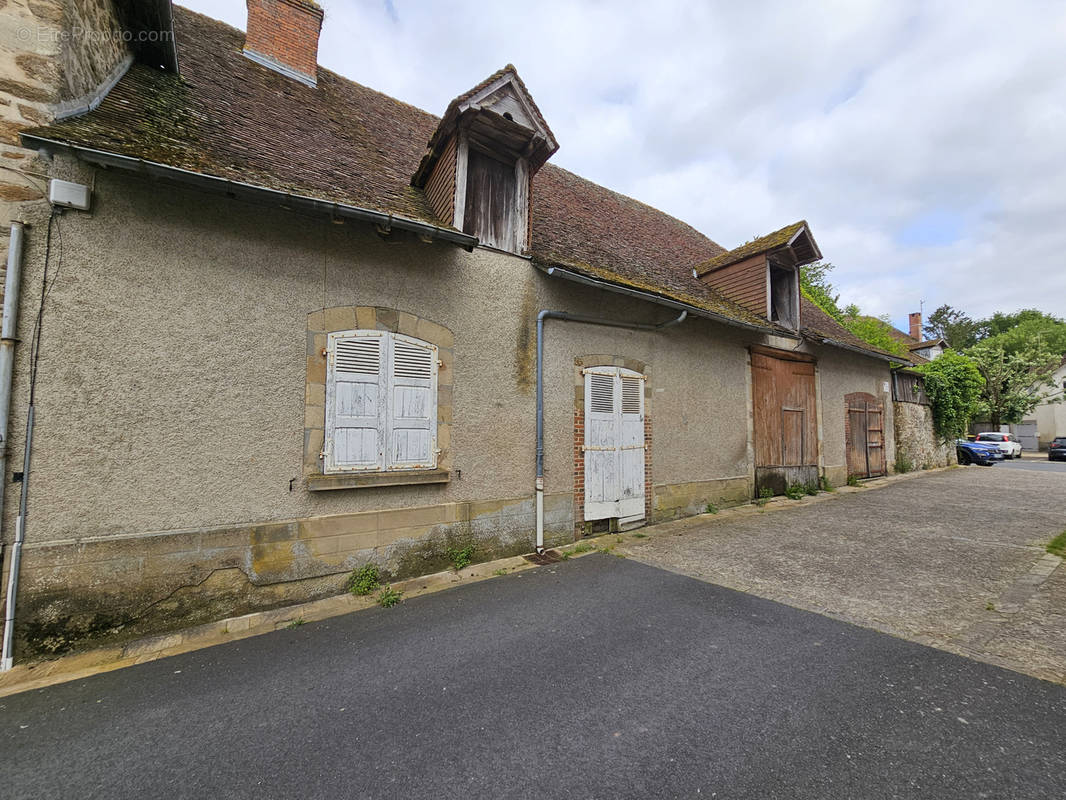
x=478 y=170
x=763 y=275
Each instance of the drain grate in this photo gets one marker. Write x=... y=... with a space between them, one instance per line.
x=547 y=557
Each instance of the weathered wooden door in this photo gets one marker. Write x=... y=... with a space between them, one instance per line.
x=865 y=435
x=786 y=421
x=614 y=444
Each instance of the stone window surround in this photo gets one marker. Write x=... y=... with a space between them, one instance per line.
x=341 y=318
x=581 y=363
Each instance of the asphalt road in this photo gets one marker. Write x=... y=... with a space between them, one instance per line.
x=596 y=678
x=1034 y=464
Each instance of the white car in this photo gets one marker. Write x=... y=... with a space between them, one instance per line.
x=1008 y=443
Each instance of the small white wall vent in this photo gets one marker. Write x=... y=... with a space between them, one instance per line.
x=69 y=195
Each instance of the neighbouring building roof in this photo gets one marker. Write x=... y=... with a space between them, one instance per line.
x=228 y=117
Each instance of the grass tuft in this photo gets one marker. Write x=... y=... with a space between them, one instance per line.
x=1057 y=546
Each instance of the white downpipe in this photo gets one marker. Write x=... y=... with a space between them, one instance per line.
x=8 y=327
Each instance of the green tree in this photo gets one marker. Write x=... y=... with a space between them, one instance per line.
x=1014 y=381
x=953 y=326
x=1001 y=323
x=954 y=384
x=1032 y=332
x=815 y=286
x=873 y=330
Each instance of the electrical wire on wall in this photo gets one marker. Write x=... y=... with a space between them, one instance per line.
x=46 y=289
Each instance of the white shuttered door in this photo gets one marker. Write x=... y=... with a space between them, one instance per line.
x=614 y=443
x=381 y=402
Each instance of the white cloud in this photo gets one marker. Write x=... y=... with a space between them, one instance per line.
x=869 y=119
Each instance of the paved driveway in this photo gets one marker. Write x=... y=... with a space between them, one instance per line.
x=955 y=559
x=594 y=678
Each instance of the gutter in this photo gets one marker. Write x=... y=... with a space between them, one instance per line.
x=568 y=317
x=230 y=188
x=559 y=272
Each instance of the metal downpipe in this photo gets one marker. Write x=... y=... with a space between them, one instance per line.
x=568 y=317
x=8 y=327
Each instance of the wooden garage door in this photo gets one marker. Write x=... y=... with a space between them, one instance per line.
x=786 y=422
x=865 y=435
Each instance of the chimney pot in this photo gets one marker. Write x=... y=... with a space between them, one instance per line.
x=916 y=325
x=283 y=35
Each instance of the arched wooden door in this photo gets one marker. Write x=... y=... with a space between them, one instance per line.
x=864 y=432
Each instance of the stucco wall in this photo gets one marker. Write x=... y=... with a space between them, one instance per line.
x=916 y=443
x=169 y=445
x=841 y=373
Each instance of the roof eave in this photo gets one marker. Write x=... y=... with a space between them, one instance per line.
x=276 y=197
x=576 y=277
x=820 y=338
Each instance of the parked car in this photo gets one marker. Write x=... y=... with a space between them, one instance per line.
x=984 y=453
x=1007 y=442
x=1056 y=451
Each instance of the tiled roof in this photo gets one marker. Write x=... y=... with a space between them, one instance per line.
x=764 y=244
x=820 y=325
x=586 y=228
x=229 y=117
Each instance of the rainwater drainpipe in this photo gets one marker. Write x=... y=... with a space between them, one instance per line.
x=568 y=317
x=7 y=360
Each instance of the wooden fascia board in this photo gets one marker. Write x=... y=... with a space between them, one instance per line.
x=786 y=355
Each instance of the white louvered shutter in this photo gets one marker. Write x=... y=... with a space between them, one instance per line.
x=602 y=481
x=411 y=415
x=614 y=444
x=631 y=445
x=355 y=394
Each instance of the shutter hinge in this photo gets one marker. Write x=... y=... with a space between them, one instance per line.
x=440 y=363
x=437 y=451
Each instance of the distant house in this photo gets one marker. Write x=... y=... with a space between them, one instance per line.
x=304 y=326
x=1050 y=415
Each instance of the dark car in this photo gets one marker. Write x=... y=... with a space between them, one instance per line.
x=977 y=453
x=1056 y=451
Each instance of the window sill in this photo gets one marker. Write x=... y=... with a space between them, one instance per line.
x=366 y=480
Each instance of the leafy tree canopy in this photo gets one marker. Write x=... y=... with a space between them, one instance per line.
x=953 y=326
x=954 y=385
x=1015 y=382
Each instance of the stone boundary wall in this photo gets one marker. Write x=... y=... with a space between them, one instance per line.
x=916 y=443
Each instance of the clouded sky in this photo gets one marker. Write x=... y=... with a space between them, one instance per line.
x=924 y=141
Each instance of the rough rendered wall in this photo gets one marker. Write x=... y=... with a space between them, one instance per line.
x=915 y=440
x=167 y=485
x=839 y=374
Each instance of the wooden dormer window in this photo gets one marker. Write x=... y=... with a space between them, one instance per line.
x=481 y=160
x=784 y=295
x=763 y=274
x=494 y=212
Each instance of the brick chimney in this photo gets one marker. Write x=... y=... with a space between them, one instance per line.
x=283 y=35
x=916 y=325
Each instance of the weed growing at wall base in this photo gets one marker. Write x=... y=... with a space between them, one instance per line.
x=389 y=597
x=364 y=580
x=461 y=556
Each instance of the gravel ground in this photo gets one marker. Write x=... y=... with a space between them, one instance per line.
x=953 y=559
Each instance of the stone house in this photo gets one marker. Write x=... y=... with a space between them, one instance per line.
x=290 y=325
